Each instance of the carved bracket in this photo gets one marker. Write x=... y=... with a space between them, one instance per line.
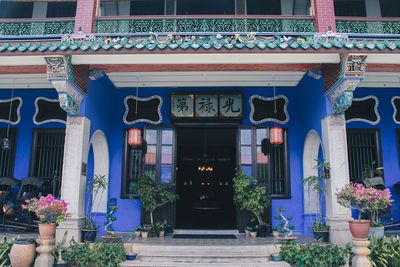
x=60 y=74
x=350 y=74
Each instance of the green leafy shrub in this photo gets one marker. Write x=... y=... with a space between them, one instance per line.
x=152 y=196
x=249 y=196
x=313 y=254
x=100 y=254
x=385 y=252
x=5 y=248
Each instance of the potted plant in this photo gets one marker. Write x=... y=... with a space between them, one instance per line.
x=372 y=176
x=275 y=254
x=138 y=231
x=152 y=196
x=283 y=224
x=320 y=231
x=95 y=185
x=58 y=251
x=145 y=231
x=262 y=229
x=247 y=230
x=49 y=211
x=253 y=231
x=317 y=183
x=275 y=231
x=22 y=253
x=356 y=196
x=250 y=196
x=111 y=236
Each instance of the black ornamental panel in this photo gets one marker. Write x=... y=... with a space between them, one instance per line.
x=268 y=109
x=143 y=109
x=363 y=109
x=48 y=110
x=9 y=110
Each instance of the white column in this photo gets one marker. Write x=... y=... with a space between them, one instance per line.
x=335 y=148
x=73 y=184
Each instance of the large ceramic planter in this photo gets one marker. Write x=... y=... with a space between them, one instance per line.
x=321 y=236
x=46 y=231
x=359 y=229
x=379 y=231
x=23 y=253
x=88 y=235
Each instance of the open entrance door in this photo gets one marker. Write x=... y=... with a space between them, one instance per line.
x=206 y=162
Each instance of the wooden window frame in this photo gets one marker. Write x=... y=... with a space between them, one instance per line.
x=158 y=164
x=286 y=164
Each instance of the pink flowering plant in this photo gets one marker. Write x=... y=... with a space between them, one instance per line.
x=356 y=196
x=48 y=209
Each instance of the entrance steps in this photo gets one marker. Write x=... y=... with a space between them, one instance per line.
x=167 y=252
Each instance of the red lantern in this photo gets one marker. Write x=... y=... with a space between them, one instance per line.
x=276 y=135
x=135 y=137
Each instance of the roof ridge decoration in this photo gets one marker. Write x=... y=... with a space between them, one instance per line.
x=217 y=41
x=342 y=79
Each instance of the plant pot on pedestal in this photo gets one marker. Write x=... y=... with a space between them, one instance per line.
x=47 y=230
x=23 y=253
x=359 y=229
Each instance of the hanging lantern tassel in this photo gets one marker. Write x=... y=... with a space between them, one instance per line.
x=276 y=135
x=5 y=144
x=135 y=137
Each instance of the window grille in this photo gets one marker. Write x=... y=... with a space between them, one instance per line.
x=47 y=152
x=363 y=150
x=7 y=157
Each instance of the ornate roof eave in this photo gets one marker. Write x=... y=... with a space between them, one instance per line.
x=170 y=43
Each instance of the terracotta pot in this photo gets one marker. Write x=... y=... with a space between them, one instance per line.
x=275 y=233
x=46 y=231
x=359 y=229
x=247 y=233
x=161 y=233
x=253 y=234
x=23 y=253
x=145 y=234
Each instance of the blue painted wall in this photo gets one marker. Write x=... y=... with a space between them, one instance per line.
x=300 y=107
x=388 y=140
x=26 y=125
x=307 y=106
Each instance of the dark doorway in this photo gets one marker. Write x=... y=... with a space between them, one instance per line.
x=206 y=162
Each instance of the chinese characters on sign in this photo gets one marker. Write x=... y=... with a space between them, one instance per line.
x=222 y=106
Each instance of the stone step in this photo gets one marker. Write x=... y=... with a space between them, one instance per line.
x=140 y=263
x=210 y=249
x=206 y=232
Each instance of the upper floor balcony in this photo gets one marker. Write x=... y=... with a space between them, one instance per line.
x=57 y=17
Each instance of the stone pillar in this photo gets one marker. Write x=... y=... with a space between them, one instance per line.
x=73 y=184
x=335 y=148
x=361 y=252
x=46 y=247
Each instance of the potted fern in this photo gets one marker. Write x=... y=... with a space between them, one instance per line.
x=317 y=183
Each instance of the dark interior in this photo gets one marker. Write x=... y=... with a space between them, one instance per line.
x=206 y=164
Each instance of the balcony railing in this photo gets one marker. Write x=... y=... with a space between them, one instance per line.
x=20 y=27
x=193 y=24
x=368 y=25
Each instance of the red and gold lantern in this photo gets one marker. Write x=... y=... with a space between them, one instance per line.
x=135 y=137
x=276 y=135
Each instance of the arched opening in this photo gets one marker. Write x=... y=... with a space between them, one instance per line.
x=101 y=166
x=312 y=151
